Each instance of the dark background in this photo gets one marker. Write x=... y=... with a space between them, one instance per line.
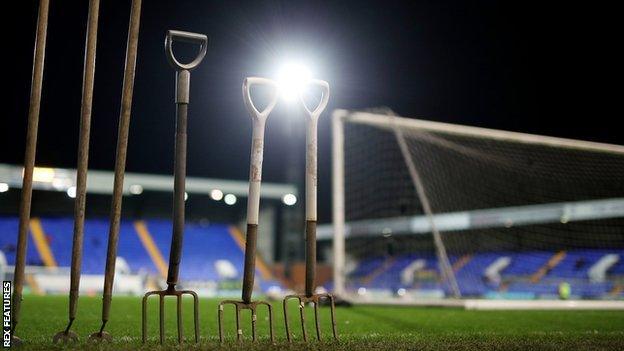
x=547 y=68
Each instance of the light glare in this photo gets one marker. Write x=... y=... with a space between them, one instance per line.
x=4 y=187
x=289 y=199
x=43 y=174
x=292 y=80
x=230 y=199
x=136 y=189
x=71 y=192
x=216 y=194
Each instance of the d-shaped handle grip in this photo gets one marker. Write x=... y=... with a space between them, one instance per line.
x=187 y=37
x=315 y=113
x=247 y=84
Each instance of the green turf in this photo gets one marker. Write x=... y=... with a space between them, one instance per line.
x=360 y=328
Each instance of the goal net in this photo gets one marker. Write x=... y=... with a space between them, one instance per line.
x=438 y=210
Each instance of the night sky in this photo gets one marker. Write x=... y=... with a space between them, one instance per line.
x=522 y=66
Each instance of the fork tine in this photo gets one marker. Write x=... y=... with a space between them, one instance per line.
x=253 y=324
x=333 y=315
x=285 y=308
x=316 y=320
x=161 y=313
x=220 y=314
x=195 y=314
x=143 y=318
x=302 y=314
x=179 y=317
x=270 y=308
x=239 y=331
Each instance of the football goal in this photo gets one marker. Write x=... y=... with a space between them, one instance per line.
x=424 y=209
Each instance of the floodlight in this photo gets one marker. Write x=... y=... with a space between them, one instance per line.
x=230 y=199
x=43 y=174
x=136 y=189
x=292 y=79
x=71 y=192
x=289 y=199
x=4 y=187
x=216 y=194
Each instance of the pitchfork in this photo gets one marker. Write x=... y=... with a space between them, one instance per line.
x=310 y=192
x=67 y=335
x=183 y=77
x=253 y=204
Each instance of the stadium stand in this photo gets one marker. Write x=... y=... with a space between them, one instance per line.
x=142 y=244
x=518 y=277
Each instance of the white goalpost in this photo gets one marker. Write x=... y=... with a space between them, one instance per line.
x=429 y=209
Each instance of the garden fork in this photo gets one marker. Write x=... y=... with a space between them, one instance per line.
x=310 y=192
x=253 y=204
x=67 y=335
x=183 y=77
x=120 y=166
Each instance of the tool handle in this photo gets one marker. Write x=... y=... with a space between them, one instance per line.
x=324 y=86
x=257 y=142
x=178 y=195
x=310 y=258
x=251 y=107
x=250 y=261
x=187 y=37
x=312 y=148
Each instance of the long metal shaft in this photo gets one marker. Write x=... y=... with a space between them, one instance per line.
x=310 y=258
x=120 y=161
x=83 y=155
x=29 y=159
x=250 y=262
x=183 y=79
x=311 y=210
x=253 y=208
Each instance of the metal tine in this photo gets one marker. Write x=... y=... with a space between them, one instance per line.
x=253 y=324
x=161 y=322
x=195 y=311
x=333 y=315
x=302 y=313
x=253 y=308
x=315 y=300
x=239 y=331
x=270 y=310
x=179 y=315
x=285 y=309
x=317 y=322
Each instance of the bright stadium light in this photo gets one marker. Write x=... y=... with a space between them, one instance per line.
x=4 y=187
x=289 y=199
x=292 y=79
x=216 y=194
x=71 y=192
x=185 y=196
x=230 y=199
x=136 y=189
x=43 y=174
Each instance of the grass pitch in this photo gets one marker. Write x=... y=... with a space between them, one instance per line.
x=359 y=328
